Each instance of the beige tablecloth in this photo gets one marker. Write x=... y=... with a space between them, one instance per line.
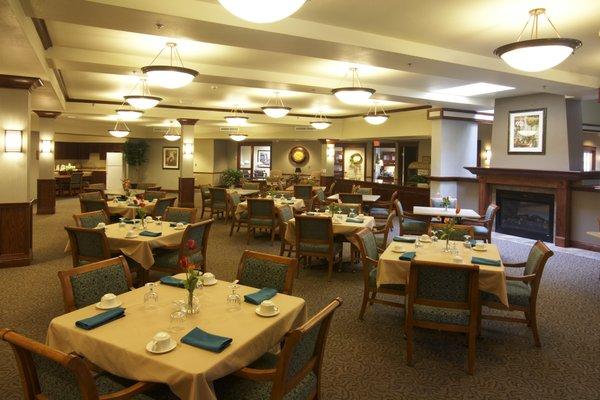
x=345 y=228
x=297 y=204
x=119 y=346
x=391 y=270
x=128 y=211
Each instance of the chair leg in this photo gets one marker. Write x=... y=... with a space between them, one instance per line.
x=282 y=247
x=409 y=346
x=363 y=307
x=534 y=328
x=248 y=237
x=330 y=267
x=272 y=236
x=232 y=226
x=471 y=355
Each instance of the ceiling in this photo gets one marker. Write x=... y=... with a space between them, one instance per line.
x=405 y=50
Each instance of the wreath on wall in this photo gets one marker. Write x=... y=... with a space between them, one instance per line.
x=299 y=155
x=356 y=159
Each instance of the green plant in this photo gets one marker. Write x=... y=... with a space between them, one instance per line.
x=231 y=177
x=135 y=152
x=418 y=179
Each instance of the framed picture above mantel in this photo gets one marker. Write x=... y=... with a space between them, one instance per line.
x=527 y=131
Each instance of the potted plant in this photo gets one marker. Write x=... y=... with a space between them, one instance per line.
x=231 y=177
x=135 y=152
x=419 y=180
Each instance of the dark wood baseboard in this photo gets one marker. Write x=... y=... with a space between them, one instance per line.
x=585 y=246
x=186 y=192
x=16 y=232
x=46 y=196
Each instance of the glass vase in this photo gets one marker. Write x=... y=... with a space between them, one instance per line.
x=447 y=248
x=192 y=303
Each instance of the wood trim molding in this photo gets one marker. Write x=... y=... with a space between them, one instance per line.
x=187 y=121
x=593 y=189
x=16 y=232
x=585 y=246
x=460 y=115
x=452 y=179
x=46 y=196
x=42 y=31
x=47 y=114
x=593 y=128
x=536 y=173
x=20 y=82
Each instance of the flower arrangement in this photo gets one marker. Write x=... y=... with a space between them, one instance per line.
x=333 y=208
x=126 y=183
x=446 y=201
x=192 y=276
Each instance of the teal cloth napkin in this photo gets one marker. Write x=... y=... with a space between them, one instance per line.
x=207 y=341
x=260 y=296
x=404 y=239
x=169 y=280
x=473 y=242
x=174 y=224
x=355 y=220
x=485 y=261
x=101 y=319
x=150 y=233
x=128 y=221
x=408 y=256
x=122 y=198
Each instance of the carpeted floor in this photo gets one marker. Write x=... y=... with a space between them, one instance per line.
x=366 y=360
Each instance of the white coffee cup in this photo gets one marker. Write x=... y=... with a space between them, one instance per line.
x=268 y=307
x=361 y=215
x=208 y=277
x=425 y=238
x=149 y=219
x=479 y=246
x=161 y=341
x=109 y=300
x=101 y=225
x=130 y=233
x=179 y=225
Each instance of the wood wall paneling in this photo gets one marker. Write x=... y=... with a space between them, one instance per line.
x=46 y=196
x=186 y=192
x=16 y=232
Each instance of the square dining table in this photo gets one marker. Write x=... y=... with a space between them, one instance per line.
x=392 y=270
x=244 y=192
x=296 y=204
x=129 y=211
x=119 y=347
x=342 y=227
x=367 y=198
x=443 y=212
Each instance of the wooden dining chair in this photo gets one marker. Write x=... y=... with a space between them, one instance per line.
x=459 y=231
x=522 y=290
x=47 y=373
x=294 y=373
x=85 y=285
x=285 y=214
x=218 y=203
x=233 y=201
x=483 y=226
x=330 y=191
x=93 y=204
x=87 y=245
x=410 y=224
x=161 y=206
x=92 y=195
x=180 y=214
x=150 y=195
x=91 y=219
x=76 y=183
x=369 y=256
x=380 y=209
x=382 y=233
x=262 y=270
x=251 y=185
x=261 y=216
x=354 y=198
x=304 y=192
x=206 y=199
x=314 y=238
x=443 y=297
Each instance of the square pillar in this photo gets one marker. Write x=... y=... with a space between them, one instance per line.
x=46 y=184
x=186 y=178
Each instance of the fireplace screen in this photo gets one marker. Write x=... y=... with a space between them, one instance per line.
x=526 y=214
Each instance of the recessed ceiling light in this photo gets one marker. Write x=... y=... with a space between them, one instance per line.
x=474 y=89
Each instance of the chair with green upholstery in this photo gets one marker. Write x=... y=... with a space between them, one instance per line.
x=382 y=234
x=314 y=238
x=261 y=216
x=522 y=290
x=167 y=260
x=304 y=192
x=218 y=201
x=150 y=195
x=295 y=373
x=320 y=193
x=285 y=214
x=443 y=297
x=206 y=198
x=76 y=183
x=380 y=209
x=460 y=231
x=90 y=219
x=483 y=227
x=85 y=285
x=251 y=185
x=161 y=206
x=369 y=255
x=180 y=214
x=239 y=220
x=330 y=191
x=410 y=224
x=91 y=195
x=354 y=198
x=261 y=270
x=360 y=190
x=87 y=245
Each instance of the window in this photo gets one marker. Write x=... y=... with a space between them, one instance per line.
x=589 y=158
x=384 y=162
x=254 y=160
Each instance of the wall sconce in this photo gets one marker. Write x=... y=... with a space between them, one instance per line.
x=330 y=150
x=13 y=141
x=188 y=149
x=487 y=156
x=46 y=147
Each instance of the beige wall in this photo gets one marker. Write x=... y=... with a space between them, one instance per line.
x=152 y=171
x=585 y=210
x=590 y=111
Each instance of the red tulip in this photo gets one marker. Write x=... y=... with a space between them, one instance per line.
x=183 y=261
x=191 y=244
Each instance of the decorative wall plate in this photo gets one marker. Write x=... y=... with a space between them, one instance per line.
x=356 y=159
x=299 y=155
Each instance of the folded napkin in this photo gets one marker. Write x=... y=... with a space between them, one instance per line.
x=355 y=220
x=473 y=242
x=169 y=280
x=122 y=198
x=174 y=224
x=150 y=233
x=404 y=239
x=408 y=256
x=101 y=319
x=260 y=296
x=128 y=221
x=485 y=261
x=204 y=340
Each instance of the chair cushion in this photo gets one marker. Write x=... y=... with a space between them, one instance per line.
x=379 y=212
x=218 y=205
x=373 y=282
x=441 y=315
x=413 y=225
x=170 y=259
x=480 y=230
x=90 y=286
x=261 y=222
x=518 y=293
x=319 y=248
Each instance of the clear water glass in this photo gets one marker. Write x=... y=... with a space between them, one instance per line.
x=151 y=297
x=468 y=241
x=234 y=300
x=158 y=221
x=122 y=222
x=178 y=316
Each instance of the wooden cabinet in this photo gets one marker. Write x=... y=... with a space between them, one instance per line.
x=82 y=151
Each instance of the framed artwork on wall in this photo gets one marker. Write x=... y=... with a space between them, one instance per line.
x=298 y=155
x=527 y=131
x=170 y=158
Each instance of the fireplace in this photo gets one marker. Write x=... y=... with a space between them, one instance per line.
x=526 y=214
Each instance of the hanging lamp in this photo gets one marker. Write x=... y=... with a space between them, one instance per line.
x=373 y=118
x=278 y=110
x=237 y=117
x=354 y=94
x=171 y=134
x=169 y=76
x=262 y=11
x=321 y=122
x=144 y=100
x=120 y=132
x=238 y=136
x=537 y=54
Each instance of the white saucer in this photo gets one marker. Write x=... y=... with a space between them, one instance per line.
x=476 y=249
x=168 y=349
x=266 y=315
x=179 y=229
x=398 y=250
x=425 y=241
x=211 y=283
x=131 y=237
x=100 y=306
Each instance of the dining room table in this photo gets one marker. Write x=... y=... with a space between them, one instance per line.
x=244 y=192
x=391 y=270
x=340 y=223
x=127 y=209
x=291 y=188
x=445 y=212
x=120 y=346
x=367 y=198
x=296 y=204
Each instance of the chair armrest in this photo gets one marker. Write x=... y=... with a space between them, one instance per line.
x=381 y=204
x=524 y=278
x=514 y=265
x=136 y=388
x=470 y=221
x=256 y=374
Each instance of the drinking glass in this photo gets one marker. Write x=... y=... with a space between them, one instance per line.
x=468 y=241
x=158 y=221
x=234 y=300
x=178 y=317
x=122 y=222
x=434 y=237
x=150 y=297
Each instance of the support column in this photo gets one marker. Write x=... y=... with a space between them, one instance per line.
x=186 y=178
x=46 y=184
x=327 y=161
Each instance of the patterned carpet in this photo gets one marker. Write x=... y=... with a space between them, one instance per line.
x=366 y=360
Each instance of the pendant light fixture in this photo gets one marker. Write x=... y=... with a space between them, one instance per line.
x=354 y=94
x=237 y=117
x=120 y=131
x=129 y=114
x=144 y=100
x=537 y=54
x=169 y=76
x=172 y=135
x=278 y=110
x=262 y=11
x=321 y=122
x=373 y=118
x=238 y=136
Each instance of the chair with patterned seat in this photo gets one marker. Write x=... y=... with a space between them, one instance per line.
x=180 y=214
x=87 y=245
x=443 y=297
x=314 y=238
x=91 y=219
x=150 y=195
x=522 y=290
x=459 y=233
x=410 y=224
x=295 y=373
x=304 y=192
x=354 y=198
x=380 y=209
x=161 y=206
x=218 y=201
x=92 y=195
x=167 y=260
x=239 y=220
x=261 y=216
x=382 y=234
x=76 y=183
x=285 y=214
x=261 y=270
x=85 y=285
x=369 y=256
x=483 y=227
x=206 y=199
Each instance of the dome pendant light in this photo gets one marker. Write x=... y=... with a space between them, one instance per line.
x=238 y=136
x=262 y=11
x=144 y=100
x=169 y=76
x=278 y=110
x=237 y=118
x=537 y=54
x=120 y=132
x=171 y=134
x=354 y=94
x=128 y=114
x=374 y=118
x=321 y=122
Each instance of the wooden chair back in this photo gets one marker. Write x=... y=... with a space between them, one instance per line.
x=87 y=245
x=263 y=209
x=285 y=214
x=76 y=180
x=303 y=192
x=88 y=205
x=218 y=197
x=115 y=278
x=91 y=219
x=261 y=270
x=389 y=226
x=161 y=206
x=89 y=194
x=313 y=230
x=180 y=214
x=367 y=247
x=535 y=264
x=330 y=190
x=198 y=232
x=490 y=216
x=458 y=234
x=150 y=195
x=355 y=198
x=153 y=188
x=205 y=192
x=233 y=200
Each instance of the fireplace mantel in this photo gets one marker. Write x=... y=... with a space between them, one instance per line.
x=536 y=173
